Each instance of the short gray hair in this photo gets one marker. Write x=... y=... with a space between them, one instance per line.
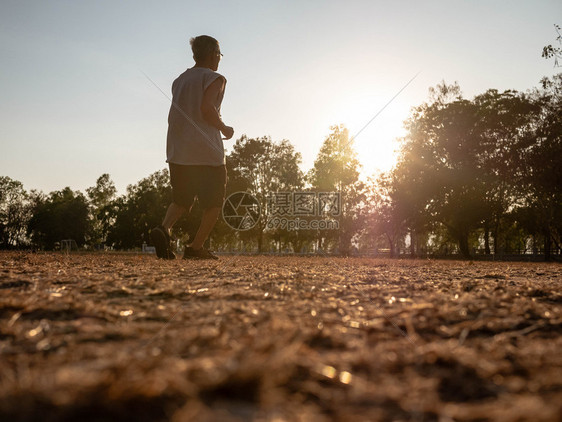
x=203 y=46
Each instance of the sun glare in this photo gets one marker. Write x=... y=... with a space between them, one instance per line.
x=375 y=144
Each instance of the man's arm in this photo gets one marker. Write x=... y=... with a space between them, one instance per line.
x=210 y=113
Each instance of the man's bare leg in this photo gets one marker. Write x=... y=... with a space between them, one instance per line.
x=172 y=215
x=208 y=220
x=160 y=236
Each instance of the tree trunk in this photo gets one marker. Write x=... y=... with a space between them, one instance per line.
x=496 y=240
x=260 y=241
x=319 y=243
x=391 y=246
x=486 y=237
x=341 y=244
x=547 y=243
x=412 y=244
x=463 y=245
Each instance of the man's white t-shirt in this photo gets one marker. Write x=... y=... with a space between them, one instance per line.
x=191 y=140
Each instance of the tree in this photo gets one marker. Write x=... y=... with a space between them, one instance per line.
x=436 y=159
x=459 y=158
x=142 y=208
x=468 y=165
x=59 y=216
x=14 y=213
x=505 y=129
x=549 y=51
x=540 y=175
x=385 y=217
x=336 y=169
x=100 y=197
x=263 y=168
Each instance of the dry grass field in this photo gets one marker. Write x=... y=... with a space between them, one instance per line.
x=96 y=337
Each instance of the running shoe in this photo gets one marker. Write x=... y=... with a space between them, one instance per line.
x=161 y=240
x=190 y=253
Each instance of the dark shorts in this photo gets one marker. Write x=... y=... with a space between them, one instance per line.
x=207 y=183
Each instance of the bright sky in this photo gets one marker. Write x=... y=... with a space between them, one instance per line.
x=75 y=104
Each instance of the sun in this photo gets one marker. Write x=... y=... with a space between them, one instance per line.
x=375 y=142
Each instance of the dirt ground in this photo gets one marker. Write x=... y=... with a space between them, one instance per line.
x=95 y=337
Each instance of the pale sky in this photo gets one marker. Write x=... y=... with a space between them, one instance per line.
x=75 y=104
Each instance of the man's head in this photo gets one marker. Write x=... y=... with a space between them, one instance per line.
x=206 y=51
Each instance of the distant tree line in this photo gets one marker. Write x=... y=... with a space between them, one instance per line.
x=479 y=176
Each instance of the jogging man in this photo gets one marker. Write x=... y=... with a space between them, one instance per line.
x=195 y=152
